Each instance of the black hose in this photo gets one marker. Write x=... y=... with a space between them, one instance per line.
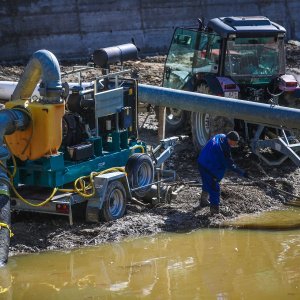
x=4 y=232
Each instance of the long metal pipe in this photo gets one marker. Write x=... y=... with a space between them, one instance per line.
x=42 y=65
x=252 y=112
x=7 y=88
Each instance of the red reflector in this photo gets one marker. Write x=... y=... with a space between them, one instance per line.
x=62 y=208
x=229 y=86
x=291 y=84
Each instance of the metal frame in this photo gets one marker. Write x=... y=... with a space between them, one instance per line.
x=279 y=144
x=49 y=208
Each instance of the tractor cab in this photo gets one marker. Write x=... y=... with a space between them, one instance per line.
x=249 y=50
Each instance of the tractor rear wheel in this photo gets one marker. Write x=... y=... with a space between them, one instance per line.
x=204 y=125
x=176 y=119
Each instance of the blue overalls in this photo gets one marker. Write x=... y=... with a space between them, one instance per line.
x=213 y=161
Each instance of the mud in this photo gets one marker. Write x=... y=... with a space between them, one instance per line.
x=35 y=233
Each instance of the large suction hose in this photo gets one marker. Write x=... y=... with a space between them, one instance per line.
x=42 y=65
x=4 y=231
x=10 y=121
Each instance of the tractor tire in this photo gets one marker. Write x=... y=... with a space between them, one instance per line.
x=114 y=205
x=176 y=119
x=140 y=173
x=4 y=232
x=204 y=125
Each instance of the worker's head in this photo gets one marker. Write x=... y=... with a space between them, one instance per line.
x=233 y=138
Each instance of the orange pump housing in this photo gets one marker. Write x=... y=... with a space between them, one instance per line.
x=43 y=136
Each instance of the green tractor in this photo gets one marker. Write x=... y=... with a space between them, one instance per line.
x=233 y=57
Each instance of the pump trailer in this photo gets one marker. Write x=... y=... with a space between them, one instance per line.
x=75 y=147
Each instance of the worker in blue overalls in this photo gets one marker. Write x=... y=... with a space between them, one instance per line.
x=213 y=161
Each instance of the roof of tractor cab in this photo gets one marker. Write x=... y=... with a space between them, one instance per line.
x=245 y=26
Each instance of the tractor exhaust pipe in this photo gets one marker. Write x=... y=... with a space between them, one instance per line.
x=253 y=112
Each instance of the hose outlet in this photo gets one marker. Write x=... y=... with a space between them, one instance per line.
x=43 y=66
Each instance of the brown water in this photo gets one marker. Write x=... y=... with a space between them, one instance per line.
x=206 y=264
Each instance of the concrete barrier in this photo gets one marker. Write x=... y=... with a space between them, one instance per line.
x=73 y=29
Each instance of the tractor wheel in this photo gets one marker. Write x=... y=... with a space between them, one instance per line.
x=140 y=173
x=204 y=125
x=114 y=205
x=175 y=118
x=4 y=232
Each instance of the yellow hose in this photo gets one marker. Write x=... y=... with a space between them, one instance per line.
x=138 y=147
x=83 y=188
x=32 y=204
x=4 y=225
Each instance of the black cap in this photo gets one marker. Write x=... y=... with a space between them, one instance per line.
x=233 y=135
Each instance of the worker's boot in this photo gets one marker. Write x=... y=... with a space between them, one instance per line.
x=204 y=199
x=214 y=210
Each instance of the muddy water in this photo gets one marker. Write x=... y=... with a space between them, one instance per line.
x=206 y=264
x=277 y=219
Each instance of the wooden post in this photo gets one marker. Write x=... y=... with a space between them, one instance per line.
x=161 y=129
x=161 y=123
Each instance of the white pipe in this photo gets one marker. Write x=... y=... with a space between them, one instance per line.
x=8 y=87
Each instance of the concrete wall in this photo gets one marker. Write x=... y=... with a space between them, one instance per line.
x=74 y=28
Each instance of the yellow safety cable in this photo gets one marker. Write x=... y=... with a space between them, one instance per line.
x=84 y=188
x=4 y=225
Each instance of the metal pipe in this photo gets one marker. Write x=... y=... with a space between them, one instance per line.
x=42 y=65
x=253 y=112
x=7 y=88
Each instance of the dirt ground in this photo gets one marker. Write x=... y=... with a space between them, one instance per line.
x=35 y=233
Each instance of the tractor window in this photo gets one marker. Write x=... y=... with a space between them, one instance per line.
x=178 y=68
x=206 y=56
x=182 y=39
x=254 y=57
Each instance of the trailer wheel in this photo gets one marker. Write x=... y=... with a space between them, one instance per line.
x=140 y=173
x=4 y=232
x=204 y=125
x=114 y=205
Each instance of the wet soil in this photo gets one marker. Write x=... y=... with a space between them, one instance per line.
x=36 y=232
